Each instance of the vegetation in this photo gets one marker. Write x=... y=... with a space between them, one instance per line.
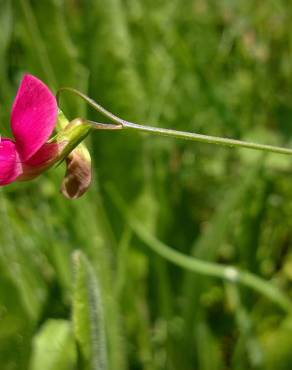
x=136 y=274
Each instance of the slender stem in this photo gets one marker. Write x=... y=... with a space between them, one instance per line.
x=102 y=126
x=174 y=133
x=229 y=273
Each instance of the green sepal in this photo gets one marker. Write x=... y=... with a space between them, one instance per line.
x=71 y=134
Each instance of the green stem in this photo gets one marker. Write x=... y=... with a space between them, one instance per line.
x=123 y=124
x=229 y=273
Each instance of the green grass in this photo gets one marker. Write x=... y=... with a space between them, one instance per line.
x=87 y=284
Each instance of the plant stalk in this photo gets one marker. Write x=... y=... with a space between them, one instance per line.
x=123 y=124
x=211 y=269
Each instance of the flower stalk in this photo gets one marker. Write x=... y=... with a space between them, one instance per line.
x=120 y=123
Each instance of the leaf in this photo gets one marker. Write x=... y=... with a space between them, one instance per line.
x=6 y=26
x=53 y=347
x=277 y=348
x=19 y=262
x=206 y=344
x=88 y=321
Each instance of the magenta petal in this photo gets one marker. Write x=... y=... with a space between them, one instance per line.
x=33 y=117
x=10 y=166
x=43 y=159
x=47 y=154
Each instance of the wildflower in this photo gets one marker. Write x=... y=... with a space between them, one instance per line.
x=33 y=119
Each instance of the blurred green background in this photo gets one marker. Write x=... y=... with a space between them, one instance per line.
x=215 y=67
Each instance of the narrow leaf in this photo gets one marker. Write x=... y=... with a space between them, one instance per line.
x=88 y=318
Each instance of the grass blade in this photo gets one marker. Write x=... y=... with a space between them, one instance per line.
x=88 y=321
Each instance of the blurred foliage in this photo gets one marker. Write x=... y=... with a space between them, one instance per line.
x=216 y=67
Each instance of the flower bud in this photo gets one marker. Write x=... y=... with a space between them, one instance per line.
x=78 y=174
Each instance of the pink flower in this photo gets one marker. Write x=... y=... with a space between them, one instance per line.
x=33 y=119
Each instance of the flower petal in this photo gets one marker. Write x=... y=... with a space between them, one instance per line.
x=42 y=160
x=46 y=155
x=10 y=166
x=33 y=117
